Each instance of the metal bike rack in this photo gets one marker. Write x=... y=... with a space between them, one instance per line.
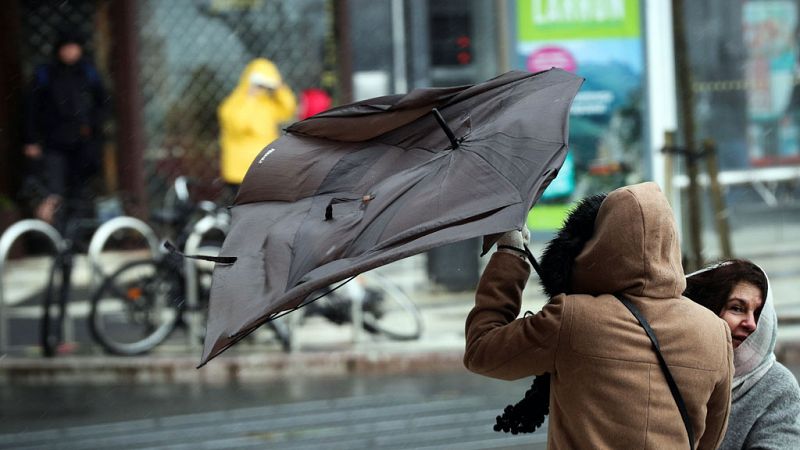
x=106 y=230
x=8 y=239
x=220 y=222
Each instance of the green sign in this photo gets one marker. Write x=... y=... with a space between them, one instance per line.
x=548 y=20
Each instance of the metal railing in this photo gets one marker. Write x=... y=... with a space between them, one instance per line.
x=101 y=236
x=7 y=240
x=96 y=245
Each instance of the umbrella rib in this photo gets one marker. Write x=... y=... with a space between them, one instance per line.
x=499 y=172
x=440 y=120
x=533 y=138
x=443 y=226
x=236 y=337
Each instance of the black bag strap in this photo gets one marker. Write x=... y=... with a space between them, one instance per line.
x=673 y=387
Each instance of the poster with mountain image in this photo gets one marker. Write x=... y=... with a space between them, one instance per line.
x=599 y=40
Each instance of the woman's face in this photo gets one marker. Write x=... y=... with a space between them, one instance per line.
x=740 y=311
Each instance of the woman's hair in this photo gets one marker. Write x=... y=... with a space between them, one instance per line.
x=711 y=288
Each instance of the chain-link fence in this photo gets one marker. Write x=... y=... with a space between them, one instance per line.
x=191 y=55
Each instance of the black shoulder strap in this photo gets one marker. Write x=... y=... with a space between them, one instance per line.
x=676 y=394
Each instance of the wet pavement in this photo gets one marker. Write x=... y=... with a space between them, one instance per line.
x=425 y=411
x=453 y=410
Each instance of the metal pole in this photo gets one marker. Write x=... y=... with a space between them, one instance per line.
x=503 y=50
x=669 y=189
x=661 y=112
x=344 y=49
x=130 y=134
x=399 y=47
x=686 y=107
x=11 y=88
x=717 y=199
x=357 y=314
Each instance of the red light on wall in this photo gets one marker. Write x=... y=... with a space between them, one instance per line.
x=464 y=56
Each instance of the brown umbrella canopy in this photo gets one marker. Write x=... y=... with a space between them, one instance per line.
x=372 y=182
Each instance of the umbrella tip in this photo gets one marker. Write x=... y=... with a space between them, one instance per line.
x=447 y=130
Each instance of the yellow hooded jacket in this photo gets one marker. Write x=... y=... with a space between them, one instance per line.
x=249 y=118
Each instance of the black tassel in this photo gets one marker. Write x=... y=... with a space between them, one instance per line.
x=529 y=413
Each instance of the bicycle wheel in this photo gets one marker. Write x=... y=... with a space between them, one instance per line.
x=388 y=310
x=137 y=307
x=56 y=295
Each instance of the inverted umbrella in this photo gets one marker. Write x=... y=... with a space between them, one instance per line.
x=375 y=181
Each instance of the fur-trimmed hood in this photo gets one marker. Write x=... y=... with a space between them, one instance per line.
x=623 y=242
x=560 y=253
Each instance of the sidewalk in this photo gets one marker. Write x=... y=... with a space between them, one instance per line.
x=322 y=349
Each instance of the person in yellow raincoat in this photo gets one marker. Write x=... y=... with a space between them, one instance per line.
x=250 y=116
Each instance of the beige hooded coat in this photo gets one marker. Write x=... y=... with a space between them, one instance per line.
x=607 y=389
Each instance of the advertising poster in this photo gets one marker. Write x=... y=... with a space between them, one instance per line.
x=771 y=44
x=599 y=40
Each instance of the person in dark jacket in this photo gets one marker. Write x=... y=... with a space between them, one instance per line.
x=64 y=112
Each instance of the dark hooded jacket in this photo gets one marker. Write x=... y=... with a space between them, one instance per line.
x=607 y=389
x=66 y=103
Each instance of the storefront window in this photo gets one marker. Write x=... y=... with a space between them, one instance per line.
x=744 y=69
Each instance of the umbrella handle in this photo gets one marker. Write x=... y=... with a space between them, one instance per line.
x=533 y=261
x=527 y=252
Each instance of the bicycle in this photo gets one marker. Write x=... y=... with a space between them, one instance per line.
x=58 y=292
x=59 y=286
x=69 y=219
x=140 y=305
x=373 y=300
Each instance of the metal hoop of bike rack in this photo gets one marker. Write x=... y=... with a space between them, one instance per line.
x=203 y=226
x=8 y=239
x=106 y=230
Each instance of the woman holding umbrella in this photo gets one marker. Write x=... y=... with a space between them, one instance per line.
x=606 y=387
